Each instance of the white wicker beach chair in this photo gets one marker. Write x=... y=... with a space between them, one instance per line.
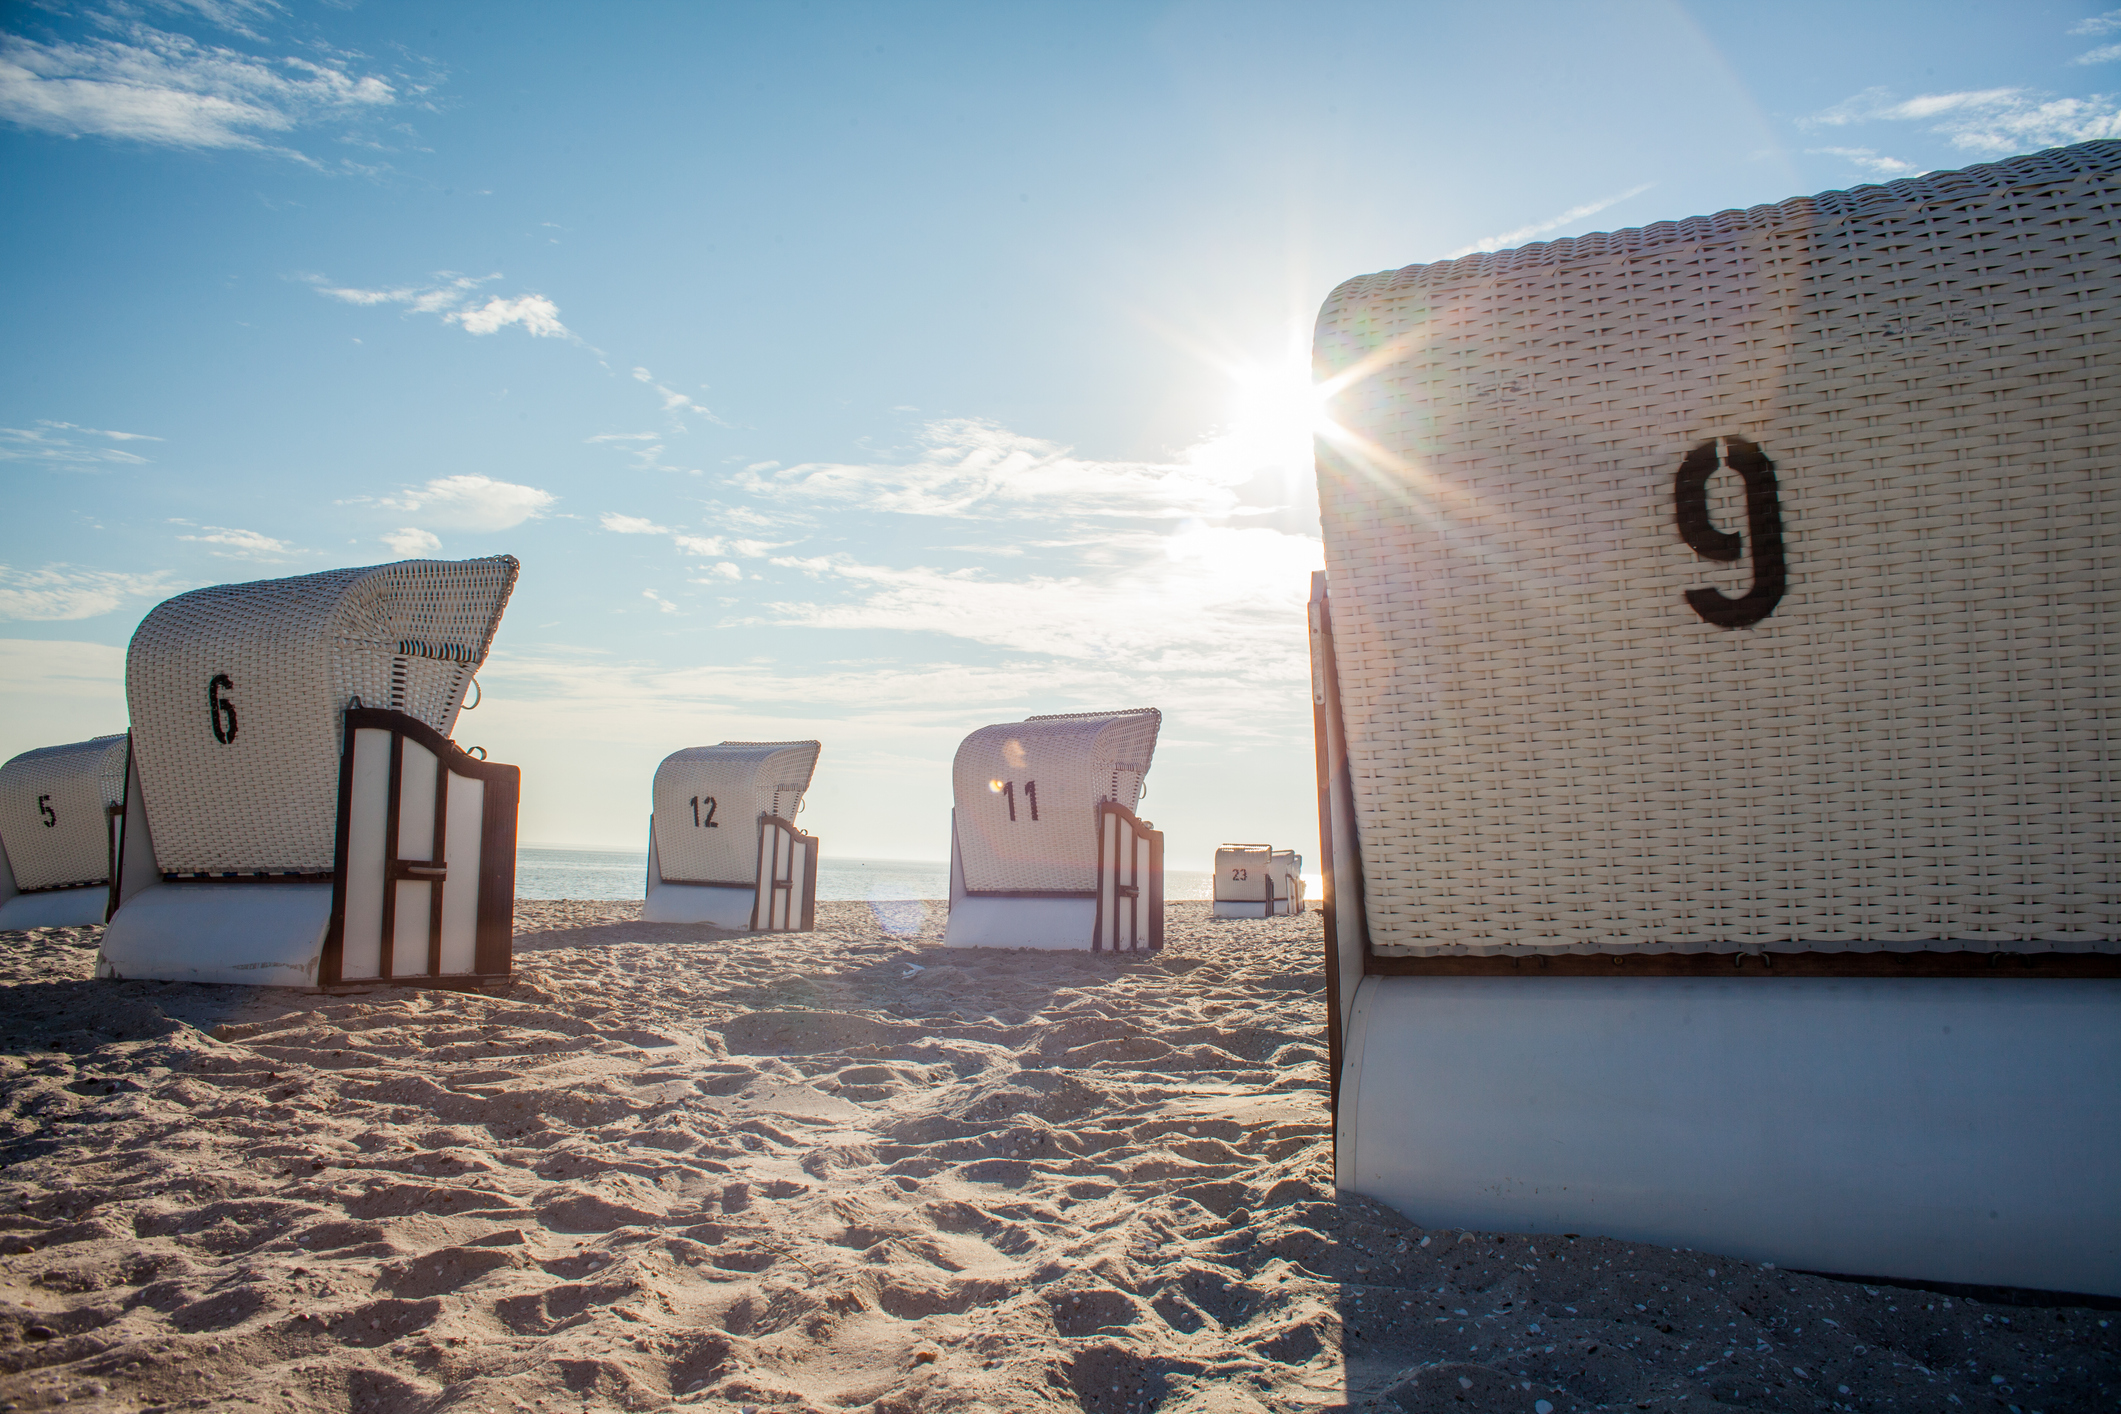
x=1045 y=848
x=1258 y=881
x=1716 y=732
x=58 y=812
x=311 y=821
x=723 y=847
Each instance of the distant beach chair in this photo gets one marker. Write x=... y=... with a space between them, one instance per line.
x=1715 y=731
x=1258 y=881
x=296 y=813
x=723 y=847
x=58 y=811
x=1045 y=848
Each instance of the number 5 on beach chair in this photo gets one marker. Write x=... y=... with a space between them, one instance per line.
x=1045 y=848
x=59 y=808
x=723 y=847
x=295 y=812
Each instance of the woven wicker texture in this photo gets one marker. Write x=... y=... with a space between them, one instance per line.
x=708 y=800
x=236 y=693
x=52 y=803
x=1027 y=795
x=1551 y=746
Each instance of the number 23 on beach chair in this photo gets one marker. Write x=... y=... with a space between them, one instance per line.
x=1045 y=848
x=723 y=847
x=295 y=812
x=1714 y=704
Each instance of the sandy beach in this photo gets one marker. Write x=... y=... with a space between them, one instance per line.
x=848 y=1170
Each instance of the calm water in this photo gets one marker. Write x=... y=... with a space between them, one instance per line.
x=620 y=873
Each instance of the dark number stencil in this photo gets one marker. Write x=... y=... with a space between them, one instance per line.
x=1238 y=874
x=224 y=711
x=44 y=809
x=1030 y=797
x=1763 y=522
x=707 y=823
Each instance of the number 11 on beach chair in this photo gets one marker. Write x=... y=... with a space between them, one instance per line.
x=723 y=847
x=1045 y=848
x=295 y=812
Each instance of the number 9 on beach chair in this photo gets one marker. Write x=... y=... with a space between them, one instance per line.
x=59 y=807
x=296 y=812
x=1714 y=706
x=1045 y=848
x=723 y=847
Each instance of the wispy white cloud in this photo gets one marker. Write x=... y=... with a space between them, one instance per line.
x=411 y=541
x=723 y=572
x=538 y=316
x=632 y=525
x=1990 y=121
x=233 y=544
x=708 y=545
x=60 y=443
x=1192 y=602
x=675 y=402
x=1506 y=239
x=1871 y=160
x=61 y=591
x=469 y=503
x=2104 y=54
x=2107 y=23
x=152 y=86
x=659 y=601
x=968 y=468
x=450 y=296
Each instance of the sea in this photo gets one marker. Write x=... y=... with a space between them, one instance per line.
x=546 y=872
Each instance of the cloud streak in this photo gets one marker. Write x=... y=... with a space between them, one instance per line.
x=50 y=442
x=450 y=296
x=1990 y=122
x=151 y=86
x=1570 y=217
x=63 y=592
x=470 y=503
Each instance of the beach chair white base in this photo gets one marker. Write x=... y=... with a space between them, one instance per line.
x=787 y=880
x=252 y=933
x=1130 y=876
x=1247 y=908
x=1931 y=1129
x=56 y=908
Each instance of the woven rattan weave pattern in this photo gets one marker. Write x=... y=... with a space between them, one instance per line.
x=1027 y=795
x=708 y=800
x=1551 y=746
x=236 y=693
x=52 y=804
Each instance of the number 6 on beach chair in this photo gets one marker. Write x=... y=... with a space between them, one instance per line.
x=723 y=847
x=1045 y=848
x=1716 y=745
x=59 y=808
x=295 y=811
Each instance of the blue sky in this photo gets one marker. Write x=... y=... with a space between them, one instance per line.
x=863 y=372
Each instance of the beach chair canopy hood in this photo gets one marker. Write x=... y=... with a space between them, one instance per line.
x=237 y=694
x=1027 y=795
x=709 y=800
x=1742 y=580
x=54 y=812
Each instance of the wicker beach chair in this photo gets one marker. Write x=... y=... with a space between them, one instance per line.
x=1258 y=881
x=1289 y=882
x=723 y=847
x=58 y=811
x=1716 y=739
x=1045 y=848
x=296 y=812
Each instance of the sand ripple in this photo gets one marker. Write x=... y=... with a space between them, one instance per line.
x=849 y=1170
